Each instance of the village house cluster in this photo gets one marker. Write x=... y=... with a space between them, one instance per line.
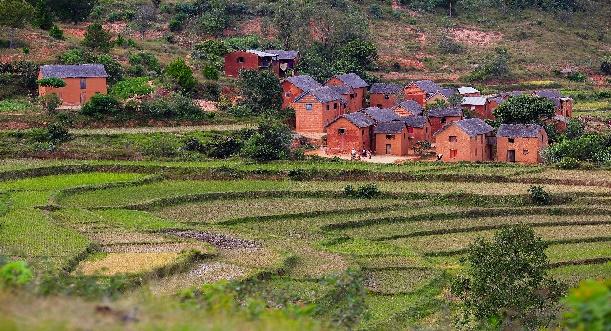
x=392 y=120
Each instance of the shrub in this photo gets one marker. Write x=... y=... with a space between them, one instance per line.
x=496 y=66
x=174 y=105
x=180 y=74
x=177 y=22
x=56 y=33
x=222 y=147
x=375 y=11
x=97 y=38
x=15 y=274
x=524 y=109
x=147 y=61
x=447 y=45
x=209 y=50
x=193 y=145
x=50 y=102
x=211 y=72
x=345 y=302
x=538 y=195
x=588 y=306
x=51 y=82
x=368 y=191
x=594 y=148
x=506 y=278
x=568 y=162
x=210 y=91
x=260 y=91
x=605 y=65
x=101 y=105
x=131 y=87
x=577 y=77
x=271 y=141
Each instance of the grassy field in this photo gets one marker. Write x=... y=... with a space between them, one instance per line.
x=177 y=225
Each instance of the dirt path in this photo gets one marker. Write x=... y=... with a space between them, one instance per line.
x=173 y=129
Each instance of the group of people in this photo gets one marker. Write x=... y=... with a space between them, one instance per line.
x=354 y=155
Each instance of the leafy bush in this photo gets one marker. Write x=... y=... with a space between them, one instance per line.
x=222 y=147
x=367 y=191
x=496 y=66
x=605 y=65
x=147 y=62
x=260 y=91
x=177 y=22
x=131 y=87
x=174 y=105
x=101 y=105
x=180 y=74
x=538 y=195
x=375 y=11
x=51 y=82
x=568 y=162
x=211 y=72
x=50 y=102
x=209 y=50
x=594 y=148
x=14 y=274
x=588 y=306
x=345 y=302
x=506 y=278
x=524 y=109
x=271 y=141
x=97 y=38
x=447 y=45
x=577 y=77
x=56 y=33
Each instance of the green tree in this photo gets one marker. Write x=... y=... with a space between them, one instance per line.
x=271 y=141
x=589 y=306
x=181 y=75
x=15 y=274
x=291 y=24
x=101 y=105
x=73 y=10
x=605 y=65
x=43 y=17
x=345 y=302
x=14 y=14
x=525 y=109
x=357 y=56
x=507 y=277
x=96 y=38
x=260 y=91
x=144 y=18
x=495 y=66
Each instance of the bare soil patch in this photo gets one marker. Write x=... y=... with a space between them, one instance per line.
x=476 y=37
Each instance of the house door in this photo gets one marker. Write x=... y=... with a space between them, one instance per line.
x=388 y=149
x=83 y=97
x=511 y=155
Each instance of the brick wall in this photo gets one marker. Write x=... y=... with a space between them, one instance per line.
x=527 y=150
x=355 y=103
x=289 y=93
x=399 y=143
x=416 y=94
x=383 y=100
x=319 y=117
x=72 y=94
x=438 y=122
x=465 y=148
x=353 y=137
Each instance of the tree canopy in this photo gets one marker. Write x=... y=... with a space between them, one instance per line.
x=524 y=109
x=260 y=91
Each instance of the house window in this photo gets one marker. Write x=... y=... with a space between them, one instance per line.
x=83 y=83
x=241 y=59
x=288 y=94
x=328 y=107
x=341 y=131
x=453 y=153
x=390 y=136
x=452 y=139
x=525 y=151
x=308 y=106
x=511 y=140
x=426 y=130
x=410 y=130
x=386 y=96
x=335 y=105
x=443 y=120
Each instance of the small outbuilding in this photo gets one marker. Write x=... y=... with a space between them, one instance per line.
x=81 y=82
x=521 y=143
x=383 y=95
x=250 y=60
x=356 y=100
x=287 y=61
x=391 y=138
x=464 y=140
x=350 y=131
x=316 y=108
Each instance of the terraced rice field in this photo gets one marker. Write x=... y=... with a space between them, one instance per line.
x=143 y=219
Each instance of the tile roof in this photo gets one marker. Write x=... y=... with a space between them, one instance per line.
x=414 y=121
x=73 y=71
x=512 y=94
x=447 y=92
x=304 y=82
x=467 y=90
x=283 y=55
x=519 y=130
x=413 y=106
x=389 y=127
x=474 y=126
x=359 y=119
x=353 y=80
x=261 y=53
x=427 y=86
x=474 y=101
x=384 y=88
x=444 y=112
x=550 y=94
x=381 y=114
x=322 y=94
x=343 y=89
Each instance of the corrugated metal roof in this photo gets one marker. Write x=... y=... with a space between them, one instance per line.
x=467 y=90
x=519 y=130
x=261 y=53
x=283 y=55
x=304 y=82
x=389 y=127
x=474 y=101
x=73 y=71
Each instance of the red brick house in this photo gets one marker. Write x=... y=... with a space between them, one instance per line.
x=391 y=138
x=468 y=91
x=287 y=61
x=564 y=106
x=418 y=129
x=408 y=108
x=439 y=117
x=350 y=131
x=520 y=143
x=250 y=60
x=356 y=100
x=464 y=140
x=420 y=91
x=315 y=109
x=442 y=95
x=294 y=86
x=384 y=95
x=82 y=82
x=478 y=106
